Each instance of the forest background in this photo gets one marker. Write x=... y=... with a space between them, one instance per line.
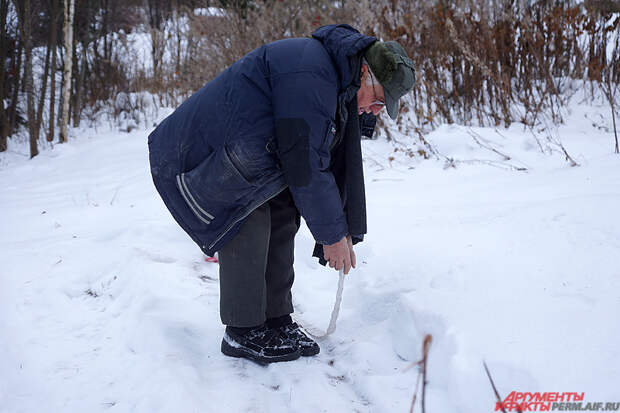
x=478 y=62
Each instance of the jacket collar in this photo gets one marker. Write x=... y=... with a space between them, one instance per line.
x=344 y=44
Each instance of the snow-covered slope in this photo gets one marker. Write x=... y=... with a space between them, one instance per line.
x=106 y=305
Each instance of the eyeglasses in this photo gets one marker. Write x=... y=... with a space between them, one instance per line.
x=376 y=102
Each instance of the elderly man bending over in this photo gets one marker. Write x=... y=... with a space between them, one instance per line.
x=274 y=137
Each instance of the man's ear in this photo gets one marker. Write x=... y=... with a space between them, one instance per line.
x=363 y=70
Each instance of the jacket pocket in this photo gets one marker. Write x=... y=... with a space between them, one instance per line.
x=214 y=186
x=251 y=158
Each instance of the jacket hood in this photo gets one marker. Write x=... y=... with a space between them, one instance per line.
x=342 y=42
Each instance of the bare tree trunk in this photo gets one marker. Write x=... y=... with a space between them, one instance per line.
x=158 y=41
x=613 y=117
x=68 y=27
x=107 y=45
x=53 y=40
x=4 y=119
x=25 y=24
x=79 y=82
x=78 y=74
x=61 y=53
x=179 y=35
x=46 y=71
x=16 y=86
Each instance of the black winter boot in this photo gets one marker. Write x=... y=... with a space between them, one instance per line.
x=262 y=345
x=307 y=346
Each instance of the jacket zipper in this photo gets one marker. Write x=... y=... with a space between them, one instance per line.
x=245 y=215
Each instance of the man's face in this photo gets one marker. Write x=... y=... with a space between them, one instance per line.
x=370 y=96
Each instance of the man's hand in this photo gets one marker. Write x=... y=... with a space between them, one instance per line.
x=340 y=255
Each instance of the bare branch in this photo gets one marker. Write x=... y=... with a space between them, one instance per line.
x=422 y=363
x=499 y=399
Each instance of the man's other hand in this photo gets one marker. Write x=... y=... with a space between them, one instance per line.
x=340 y=255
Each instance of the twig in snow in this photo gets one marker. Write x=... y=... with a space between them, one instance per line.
x=426 y=345
x=415 y=393
x=496 y=131
x=557 y=142
x=475 y=137
x=499 y=399
x=428 y=146
x=537 y=140
x=114 y=196
x=501 y=165
x=568 y=157
x=452 y=163
x=374 y=161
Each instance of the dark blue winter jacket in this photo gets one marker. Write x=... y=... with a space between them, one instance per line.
x=265 y=123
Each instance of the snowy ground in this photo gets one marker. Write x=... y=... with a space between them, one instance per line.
x=106 y=305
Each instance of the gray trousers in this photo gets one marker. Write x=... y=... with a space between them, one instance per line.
x=256 y=266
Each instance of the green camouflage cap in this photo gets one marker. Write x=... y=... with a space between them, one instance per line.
x=393 y=69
